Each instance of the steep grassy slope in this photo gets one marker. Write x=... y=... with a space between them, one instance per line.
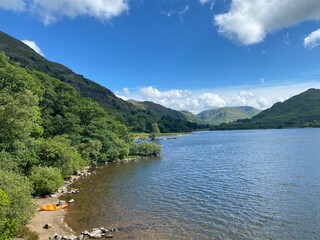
x=138 y=119
x=157 y=110
x=302 y=110
x=227 y=114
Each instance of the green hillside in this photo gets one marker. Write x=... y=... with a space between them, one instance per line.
x=190 y=116
x=157 y=110
x=227 y=114
x=136 y=118
x=302 y=110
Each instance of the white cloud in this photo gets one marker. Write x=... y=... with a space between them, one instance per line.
x=34 y=46
x=249 y=21
x=178 y=13
x=312 y=40
x=50 y=11
x=248 y=98
x=203 y=1
x=196 y=102
x=126 y=91
x=261 y=97
x=13 y=5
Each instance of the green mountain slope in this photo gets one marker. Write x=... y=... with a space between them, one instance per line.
x=138 y=119
x=227 y=114
x=169 y=120
x=157 y=110
x=190 y=116
x=302 y=110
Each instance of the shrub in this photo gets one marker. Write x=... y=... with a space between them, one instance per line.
x=17 y=206
x=59 y=153
x=145 y=149
x=45 y=180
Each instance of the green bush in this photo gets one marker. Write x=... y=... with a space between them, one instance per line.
x=45 y=180
x=59 y=153
x=17 y=206
x=145 y=149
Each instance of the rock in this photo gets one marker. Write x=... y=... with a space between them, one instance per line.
x=85 y=232
x=53 y=195
x=81 y=237
x=71 y=201
x=47 y=226
x=55 y=237
x=104 y=230
x=113 y=230
x=109 y=236
x=66 y=237
x=97 y=236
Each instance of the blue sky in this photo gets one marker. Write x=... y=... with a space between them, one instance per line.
x=184 y=54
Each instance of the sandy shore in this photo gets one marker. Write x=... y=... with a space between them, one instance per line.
x=55 y=218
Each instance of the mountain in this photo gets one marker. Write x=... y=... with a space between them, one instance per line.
x=137 y=118
x=27 y=57
x=227 y=114
x=190 y=116
x=302 y=110
x=158 y=110
x=170 y=120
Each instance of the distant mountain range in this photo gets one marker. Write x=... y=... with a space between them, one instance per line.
x=211 y=117
x=227 y=114
x=302 y=110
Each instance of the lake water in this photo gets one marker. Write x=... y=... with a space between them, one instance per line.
x=259 y=184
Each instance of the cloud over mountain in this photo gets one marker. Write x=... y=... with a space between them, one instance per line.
x=34 y=46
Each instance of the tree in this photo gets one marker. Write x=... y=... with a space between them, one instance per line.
x=155 y=131
x=45 y=180
x=58 y=152
x=19 y=117
x=17 y=206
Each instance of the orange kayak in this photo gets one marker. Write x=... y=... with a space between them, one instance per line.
x=52 y=207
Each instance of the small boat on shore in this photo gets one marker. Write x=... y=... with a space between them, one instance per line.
x=54 y=207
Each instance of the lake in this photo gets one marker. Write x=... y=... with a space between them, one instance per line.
x=257 y=184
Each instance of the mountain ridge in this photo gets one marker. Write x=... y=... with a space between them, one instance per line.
x=302 y=110
x=227 y=114
x=136 y=118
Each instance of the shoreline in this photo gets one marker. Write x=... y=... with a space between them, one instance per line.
x=54 y=218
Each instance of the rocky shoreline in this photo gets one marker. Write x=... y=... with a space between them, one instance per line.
x=96 y=233
x=47 y=223
x=51 y=225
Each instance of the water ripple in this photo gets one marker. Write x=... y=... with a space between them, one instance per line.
x=211 y=185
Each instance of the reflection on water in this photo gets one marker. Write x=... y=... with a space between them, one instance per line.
x=210 y=185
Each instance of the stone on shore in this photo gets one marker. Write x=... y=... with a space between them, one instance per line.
x=47 y=226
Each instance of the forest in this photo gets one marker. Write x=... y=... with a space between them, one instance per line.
x=48 y=131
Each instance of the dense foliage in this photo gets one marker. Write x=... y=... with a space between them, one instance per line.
x=16 y=205
x=45 y=180
x=47 y=133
